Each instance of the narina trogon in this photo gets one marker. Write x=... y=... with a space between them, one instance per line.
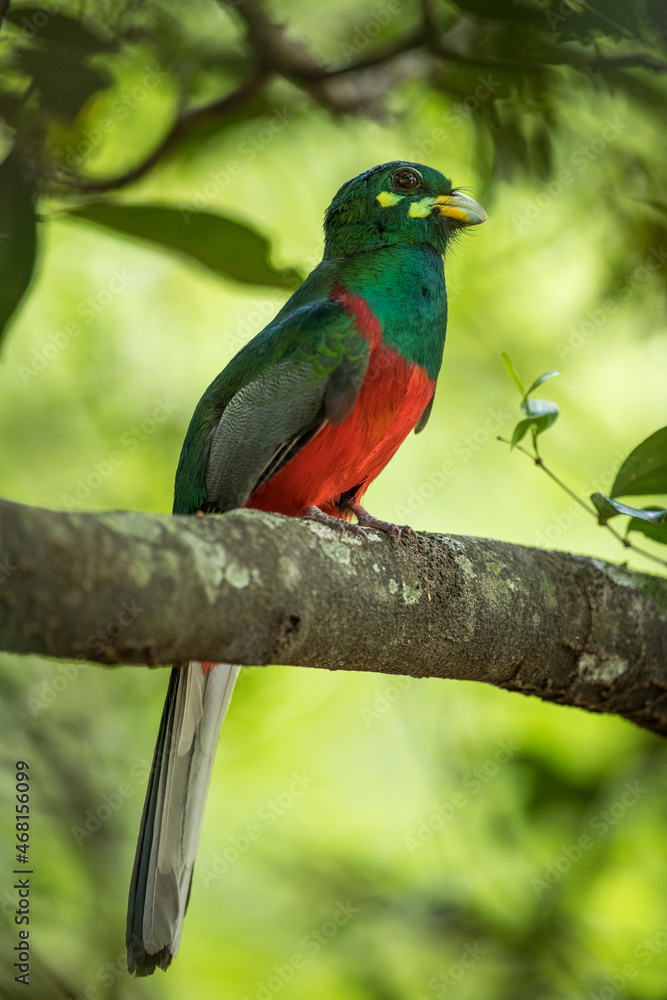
x=300 y=422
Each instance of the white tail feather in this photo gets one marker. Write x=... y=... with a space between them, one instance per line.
x=195 y=707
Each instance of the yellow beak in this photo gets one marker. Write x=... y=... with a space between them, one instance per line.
x=460 y=207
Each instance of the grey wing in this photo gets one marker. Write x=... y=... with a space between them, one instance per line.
x=262 y=427
x=268 y=420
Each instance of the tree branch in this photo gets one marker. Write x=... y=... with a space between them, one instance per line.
x=255 y=588
x=357 y=86
x=184 y=125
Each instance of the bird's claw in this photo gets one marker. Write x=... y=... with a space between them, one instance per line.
x=404 y=529
x=396 y=531
x=337 y=523
x=364 y=520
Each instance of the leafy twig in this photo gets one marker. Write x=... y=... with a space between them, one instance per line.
x=643 y=472
x=539 y=461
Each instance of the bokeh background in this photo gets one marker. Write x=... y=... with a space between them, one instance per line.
x=365 y=836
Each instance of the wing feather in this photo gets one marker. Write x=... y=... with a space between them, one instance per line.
x=270 y=418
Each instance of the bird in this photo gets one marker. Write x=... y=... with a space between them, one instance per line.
x=300 y=422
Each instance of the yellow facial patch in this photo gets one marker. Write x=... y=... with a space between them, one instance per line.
x=421 y=209
x=387 y=198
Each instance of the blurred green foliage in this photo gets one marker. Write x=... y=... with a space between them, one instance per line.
x=365 y=836
x=643 y=473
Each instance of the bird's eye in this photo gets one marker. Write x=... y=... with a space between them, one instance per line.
x=406 y=179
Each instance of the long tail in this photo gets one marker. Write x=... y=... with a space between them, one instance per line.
x=196 y=704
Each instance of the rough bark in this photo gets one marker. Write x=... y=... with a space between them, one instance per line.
x=255 y=588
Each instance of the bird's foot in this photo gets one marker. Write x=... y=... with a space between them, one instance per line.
x=367 y=520
x=337 y=523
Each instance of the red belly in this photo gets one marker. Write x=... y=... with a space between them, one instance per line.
x=392 y=398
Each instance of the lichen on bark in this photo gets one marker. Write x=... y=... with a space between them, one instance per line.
x=254 y=588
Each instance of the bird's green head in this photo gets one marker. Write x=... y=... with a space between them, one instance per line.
x=397 y=203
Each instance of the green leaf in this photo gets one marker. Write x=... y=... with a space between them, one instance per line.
x=228 y=248
x=64 y=82
x=652 y=515
x=604 y=506
x=539 y=381
x=540 y=414
x=18 y=236
x=539 y=408
x=542 y=424
x=608 y=508
x=43 y=24
x=645 y=469
x=520 y=432
x=656 y=532
x=511 y=371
